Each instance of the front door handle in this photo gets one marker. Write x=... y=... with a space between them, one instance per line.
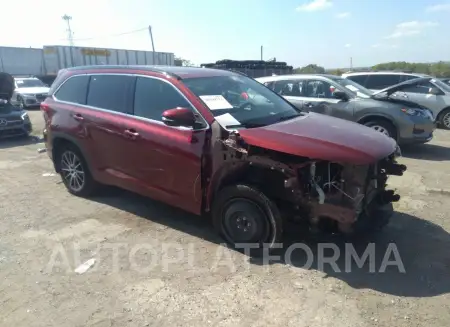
x=131 y=133
x=78 y=117
x=309 y=104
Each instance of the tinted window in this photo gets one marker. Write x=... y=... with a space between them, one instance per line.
x=153 y=97
x=318 y=89
x=379 y=81
x=408 y=77
x=111 y=92
x=422 y=88
x=291 y=88
x=74 y=90
x=360 y=79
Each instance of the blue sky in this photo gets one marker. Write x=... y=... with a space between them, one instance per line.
x=324 y=32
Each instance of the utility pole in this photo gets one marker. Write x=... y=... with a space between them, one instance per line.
x=351 y=63
x=261 y=53
x=68 y=18
x=153 y=45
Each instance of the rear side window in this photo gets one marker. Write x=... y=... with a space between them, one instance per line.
x=381 y=81
x=360 y=79
x=153 y=97
x=110 y=92
x=73 y=90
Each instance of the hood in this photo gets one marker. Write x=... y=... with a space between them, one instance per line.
x=398 y=87
x=33 y=90
x=322 y=137
x=6 y=86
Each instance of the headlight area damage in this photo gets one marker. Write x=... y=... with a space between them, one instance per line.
x=330 y=196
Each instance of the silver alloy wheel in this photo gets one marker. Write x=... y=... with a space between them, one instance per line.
x=72 y=171
x=380 y=129
x=446 y=120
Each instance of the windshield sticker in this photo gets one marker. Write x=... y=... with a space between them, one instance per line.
x=352 y=88
x=227 y=120
x=216 y=102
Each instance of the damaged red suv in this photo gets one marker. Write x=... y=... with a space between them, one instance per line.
x=218 y=143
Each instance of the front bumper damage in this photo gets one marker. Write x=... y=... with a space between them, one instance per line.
x=316 y=190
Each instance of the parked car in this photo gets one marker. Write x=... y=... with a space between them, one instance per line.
x=428 y=92
x=29 y=92
x=405 y=122
x=13 y=120
x=219 y=143
x=380 y=80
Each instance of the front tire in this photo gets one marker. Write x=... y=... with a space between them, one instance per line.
x=242 y=214
x=444 y=120
x=75 y=172
x=383 y=127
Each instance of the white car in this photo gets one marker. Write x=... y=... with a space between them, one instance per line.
x=29 y=92
x=431 y=92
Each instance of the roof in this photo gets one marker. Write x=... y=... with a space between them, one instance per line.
x=385 y=72
x=179 y=71
x=296 y=76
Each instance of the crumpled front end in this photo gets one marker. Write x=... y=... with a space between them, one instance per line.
x=341 y=196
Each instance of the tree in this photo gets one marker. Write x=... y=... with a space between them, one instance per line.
x=183 y=62
x=310 y=69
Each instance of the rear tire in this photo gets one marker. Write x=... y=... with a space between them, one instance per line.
x=383 y=126
x=75 y=172
x=444 y=119
x=242 y=214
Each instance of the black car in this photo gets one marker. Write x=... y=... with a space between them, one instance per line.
x=13 y=120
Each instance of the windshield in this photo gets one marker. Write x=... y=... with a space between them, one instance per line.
x=29 y=83
x=238 y=101
x=356 y=88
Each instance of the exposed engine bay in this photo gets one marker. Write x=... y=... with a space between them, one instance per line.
x=315 y=190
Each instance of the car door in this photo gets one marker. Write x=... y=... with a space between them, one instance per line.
x=109 y=102
x=318 y=92
x=164 y=161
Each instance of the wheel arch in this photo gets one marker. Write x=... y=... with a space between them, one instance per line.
x=369 y=117
x=439 y=115
x=59 y=140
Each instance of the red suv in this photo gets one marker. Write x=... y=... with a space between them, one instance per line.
x=219 y=143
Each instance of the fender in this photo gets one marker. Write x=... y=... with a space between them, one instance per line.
x=71 y=139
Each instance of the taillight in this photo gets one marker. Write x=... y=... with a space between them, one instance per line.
x=45 y=107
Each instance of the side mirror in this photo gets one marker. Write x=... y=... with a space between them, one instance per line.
x=179 y=117
x=341 y=95
x=434 y=91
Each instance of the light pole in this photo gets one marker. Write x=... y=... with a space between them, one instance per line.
x=68 y=18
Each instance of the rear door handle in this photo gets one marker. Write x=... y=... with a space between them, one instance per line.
x=131 y=133
x=78 y=117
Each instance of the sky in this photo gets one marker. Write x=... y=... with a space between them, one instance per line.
x=300 y=32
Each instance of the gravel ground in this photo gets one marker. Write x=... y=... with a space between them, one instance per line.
x=158 y=266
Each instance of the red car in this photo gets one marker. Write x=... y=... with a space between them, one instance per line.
x=217 y=143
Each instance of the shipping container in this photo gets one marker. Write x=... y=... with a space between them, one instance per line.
x=45 y=63
x=59 y=57
x=21 y=61
x=253 y=68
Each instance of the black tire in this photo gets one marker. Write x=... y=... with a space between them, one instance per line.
x=262 y=223
x=89 y=185
x=444 y=119
x=389 y=127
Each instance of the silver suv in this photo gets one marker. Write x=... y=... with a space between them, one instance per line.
x=431 y=93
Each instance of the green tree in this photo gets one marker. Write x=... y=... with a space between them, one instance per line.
x=310 y=69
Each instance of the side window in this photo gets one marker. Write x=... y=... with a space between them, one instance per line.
x=381 y=81
x=422 y=88
x=318 y=89
x=269 y=85
x=360 y=79
x=111 y=92
x=152 y=97
x=408 y=77
x=74 y=90
x=289 y=88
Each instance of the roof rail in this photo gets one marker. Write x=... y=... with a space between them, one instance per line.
x=150 y=68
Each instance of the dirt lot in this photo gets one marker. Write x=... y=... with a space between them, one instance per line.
x=157 y=266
